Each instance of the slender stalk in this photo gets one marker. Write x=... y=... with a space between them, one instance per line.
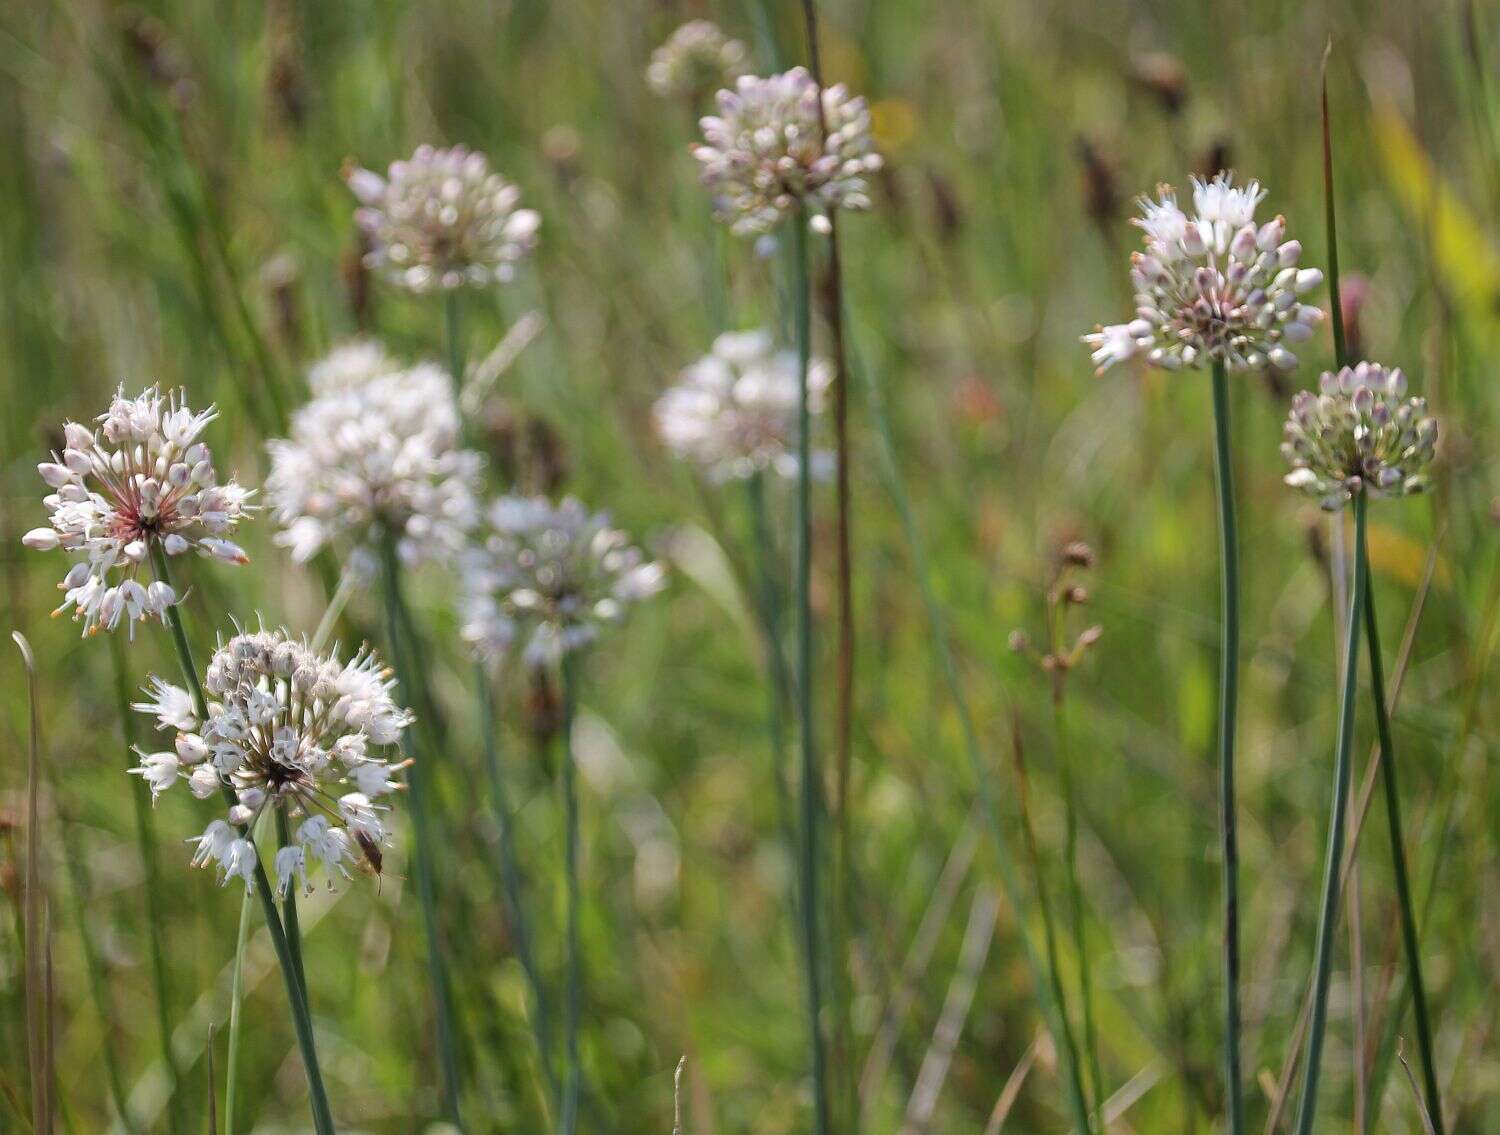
x=510 y=878
x=398 y=628
x=1010 y=880
x=1075 y=901
x=777 y=682
x=236 y=1002
x=454 y=342
x=812 y=786
x=1049 y=926
x=569 y=1116
x=289 y=911
x=140 y=799
x=1398 y=859
x=1229 y=672
x=1328 y=918
x=296 y=994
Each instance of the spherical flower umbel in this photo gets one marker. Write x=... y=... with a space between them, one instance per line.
x=552 y=574
x=1213 y=287
x=765 y=156
x=1360 y=433
x=734 y=411
x=287 y=729
x=442 y=220
x=350 y=364
x=696 y=59
x=372 y=460
x=142 y=481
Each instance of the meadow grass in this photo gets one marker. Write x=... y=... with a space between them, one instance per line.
x=173 y=211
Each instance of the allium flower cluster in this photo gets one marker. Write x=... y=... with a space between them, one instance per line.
x=350 y=365
x=764 y=155
x=142 y=480
x=695 y=59
x=1213 y=286
x=287 y=728
x=373 y=460
x=442 y=220
x=1359 y=433
x=551 y=573
x=734 y=411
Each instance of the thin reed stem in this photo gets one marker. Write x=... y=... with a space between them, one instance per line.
x=1074 y=1070
x=289 y=911
x=1409 y=934
x=1328 y=918
x=1096 y=1094
x=236 y=1005
x=768 y=604
x=812 y=784
x=140 y=799
x=510 y=878
x=399 y=629
x=569 y=1116
x=1229 y=674
x=1010 y=880
x=296 y=994
x=454 y=340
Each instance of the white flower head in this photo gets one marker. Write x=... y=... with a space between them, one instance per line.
x=380 y=457
x=289 y=729
x=765 y=154
x=1213 y=286
x=142 y=481
x=734 y=411
x=695 y=59
x=350 y=364
x=1359 y=433
x=553 y=574
x=442 y=220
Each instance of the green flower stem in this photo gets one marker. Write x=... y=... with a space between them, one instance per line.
x=1409 y=934
x=568 y=1119
x=1328 y=918
x=454 y=341
x=768 y=598
x=296 y=995
x=289 y=911
x=140 y=798
x=812 y=784
x=1075 y=901
x=1052 y=1010
x=510 y=877
x=409 y=676
x=1229 y=675
x=236 y=1002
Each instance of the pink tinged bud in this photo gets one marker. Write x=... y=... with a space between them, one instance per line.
x=159 y=596
x=1243 y=246
x=1296 y=332
x=191 y=749
x=41 y=540
x=225 y=550
x=1270 y=234
x=175 y=544
x=76 y=436
x=1289 y=253
x=204 y=782
x=54 y=474
x=1282 y=359
x=369 y=187
x=135 y=551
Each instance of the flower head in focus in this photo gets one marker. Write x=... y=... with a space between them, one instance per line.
x=734 y=411
x=377 y=459
x=1360 y=433
x=695 y=59
x=553 y=574
x=765 y=155
x=442 y=220
x=142 y=481
x=289 y=729
x=351 y=364
x=1213 y=286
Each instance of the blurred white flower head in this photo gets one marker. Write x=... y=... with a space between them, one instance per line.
x=695 y=59
x=552 y=575
x=442 y=220
x=734 y=411
x=376 y=459
x=141 y=481
x=290 y=729
x=1359 y=433
x=349 y=365
x=764 y=155
x=1213 y=286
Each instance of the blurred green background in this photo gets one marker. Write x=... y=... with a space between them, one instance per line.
x=171 y=211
